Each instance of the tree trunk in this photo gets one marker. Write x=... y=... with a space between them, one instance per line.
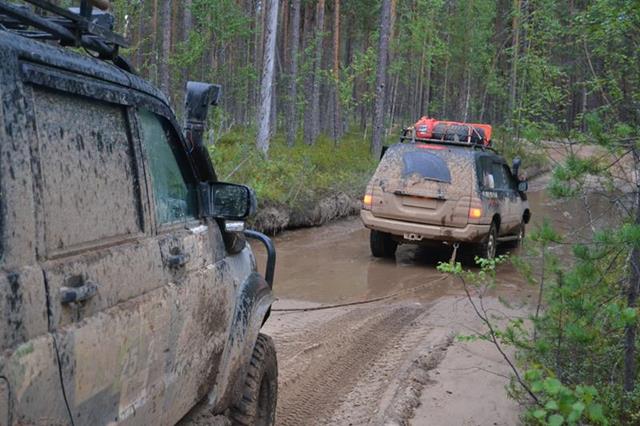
x=381 y=77
x=427 y=95
x=292 y=104
x=515 y=45
x=268 y=65
x=165 y=81
x=317 y=63
x=187 y=19
x=310 y=77
x=337 y=114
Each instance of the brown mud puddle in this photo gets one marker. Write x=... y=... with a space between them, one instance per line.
x=394 y=360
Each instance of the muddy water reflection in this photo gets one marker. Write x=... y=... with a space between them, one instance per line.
x=333 y=263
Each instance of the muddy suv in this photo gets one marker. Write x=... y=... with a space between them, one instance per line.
x=435 y=191
x=127 y=292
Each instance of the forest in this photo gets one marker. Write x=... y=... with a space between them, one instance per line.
x=525 y=65
x=312 y=89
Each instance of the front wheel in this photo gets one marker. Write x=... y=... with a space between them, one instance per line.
x=257 y=405
x=382 y=244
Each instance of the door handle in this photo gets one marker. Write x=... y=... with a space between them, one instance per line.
x=78 y=294
x=178 y=260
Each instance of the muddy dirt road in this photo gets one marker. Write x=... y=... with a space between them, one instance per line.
x=393 y=360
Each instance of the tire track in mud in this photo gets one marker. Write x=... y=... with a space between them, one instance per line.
x=320 y=368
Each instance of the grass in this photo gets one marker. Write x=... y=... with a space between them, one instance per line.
x=296 y=176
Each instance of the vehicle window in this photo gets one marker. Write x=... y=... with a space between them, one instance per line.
x=486 y=174
x=510 y=180
x=500 y=180
x=427 y=165
x=174 y=188
x=87 y=182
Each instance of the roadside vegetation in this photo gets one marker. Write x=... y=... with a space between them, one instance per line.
x=294 y=177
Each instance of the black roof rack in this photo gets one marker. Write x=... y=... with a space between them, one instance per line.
x=414 y=139
x=75 y=27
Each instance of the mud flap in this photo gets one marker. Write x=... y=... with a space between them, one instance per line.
x=252 y=309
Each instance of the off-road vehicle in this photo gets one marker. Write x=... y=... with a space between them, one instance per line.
x=127 y=292
x=445 y=190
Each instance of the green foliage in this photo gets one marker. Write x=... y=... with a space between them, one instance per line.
x=296 y=176
x=560 y=404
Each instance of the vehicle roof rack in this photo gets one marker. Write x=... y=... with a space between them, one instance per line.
x=414 y=139
x=74 y=27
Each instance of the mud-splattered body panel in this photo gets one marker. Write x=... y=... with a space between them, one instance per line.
x=428 y=191
x=161 y=327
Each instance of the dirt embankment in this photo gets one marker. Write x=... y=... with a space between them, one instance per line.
x=272 y=219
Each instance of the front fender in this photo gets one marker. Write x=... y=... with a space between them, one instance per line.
x=253 y=304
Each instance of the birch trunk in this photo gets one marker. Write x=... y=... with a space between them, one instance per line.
x=268 y=65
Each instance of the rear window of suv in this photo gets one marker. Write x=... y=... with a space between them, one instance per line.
x=426 y=165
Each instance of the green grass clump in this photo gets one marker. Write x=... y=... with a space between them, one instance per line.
x=297 y=176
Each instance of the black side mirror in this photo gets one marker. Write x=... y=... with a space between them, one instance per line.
x=200 y=96
x=523 y=186
x=515 y=166
x=227 y=201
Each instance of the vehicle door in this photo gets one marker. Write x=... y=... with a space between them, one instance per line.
x=30 y=391
x=491 y=196
x=514 y=200
x=107 y=296
x=199 y=280
x=506 y=195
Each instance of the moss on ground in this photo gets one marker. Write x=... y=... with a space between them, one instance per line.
x=294 y=177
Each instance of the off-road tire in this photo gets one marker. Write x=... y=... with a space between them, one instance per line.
x=257 y=404
x=520 y=234
x=488 y=247
x=382 y=244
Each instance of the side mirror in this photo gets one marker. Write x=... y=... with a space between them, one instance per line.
x=523 y=186
x=515 y=166
x=227 y=201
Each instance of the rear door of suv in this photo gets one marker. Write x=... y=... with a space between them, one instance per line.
x=137 y=305
x=102 y=269
x=424 y=183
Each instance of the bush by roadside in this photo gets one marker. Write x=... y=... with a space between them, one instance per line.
x=305 y=185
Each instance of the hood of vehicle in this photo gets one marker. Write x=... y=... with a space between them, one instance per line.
x=424 y=183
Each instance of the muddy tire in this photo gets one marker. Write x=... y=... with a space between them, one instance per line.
x=257 y=404
x=382 y=244
x=520 y=234
x=487 y=248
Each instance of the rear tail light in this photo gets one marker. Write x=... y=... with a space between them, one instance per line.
x=367 y=201
x=475 y=213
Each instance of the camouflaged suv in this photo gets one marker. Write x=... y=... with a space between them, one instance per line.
x=425 y=192
x=127 y=292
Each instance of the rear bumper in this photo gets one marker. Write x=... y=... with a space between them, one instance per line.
x=470 y=233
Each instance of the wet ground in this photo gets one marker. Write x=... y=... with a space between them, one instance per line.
x=369 y=341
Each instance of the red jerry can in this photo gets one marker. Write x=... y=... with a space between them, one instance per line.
x=424 y=127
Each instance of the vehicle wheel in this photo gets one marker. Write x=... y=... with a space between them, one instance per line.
x=382 y=245
x=521 y=234
x=487 y=248
x=257 y=405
